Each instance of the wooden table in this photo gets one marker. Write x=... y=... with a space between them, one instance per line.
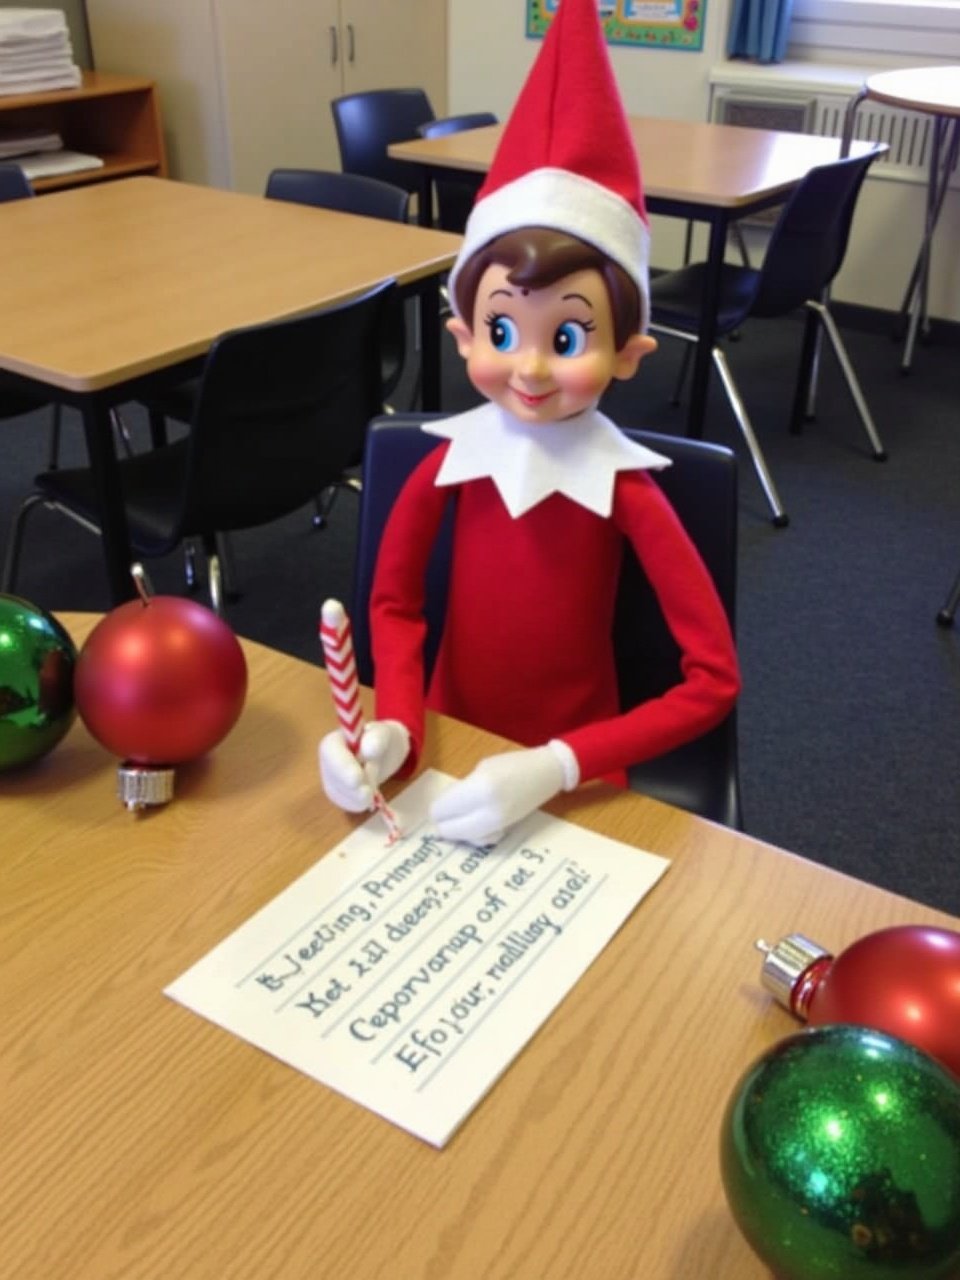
x=140 y=1140
x=109 y=288
x=712 y=173
x=935 y=91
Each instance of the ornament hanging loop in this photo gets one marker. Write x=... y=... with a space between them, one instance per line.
x=142 y=583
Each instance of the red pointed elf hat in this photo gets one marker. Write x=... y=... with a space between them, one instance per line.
x=566 y=159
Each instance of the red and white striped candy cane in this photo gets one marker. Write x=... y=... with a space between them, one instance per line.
x=337 y=641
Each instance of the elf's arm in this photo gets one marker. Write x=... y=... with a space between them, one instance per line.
x=397 y=623
x=695 y=616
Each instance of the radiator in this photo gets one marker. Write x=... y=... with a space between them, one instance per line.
x=908 y=134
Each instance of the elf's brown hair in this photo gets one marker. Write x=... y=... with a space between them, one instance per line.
x=536 y=257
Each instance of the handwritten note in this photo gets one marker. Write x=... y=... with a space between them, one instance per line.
x=408 y=976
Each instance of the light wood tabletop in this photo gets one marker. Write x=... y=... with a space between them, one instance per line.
x=142 y=1141
x=694 y=162
x=105 y=283
x=931 y=89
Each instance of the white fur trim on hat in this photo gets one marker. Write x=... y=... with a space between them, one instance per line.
x=562 y=201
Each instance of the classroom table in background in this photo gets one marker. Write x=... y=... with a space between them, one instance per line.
x=935 y=91
x=142 y=1140
x=702 y=172
x=111 y=288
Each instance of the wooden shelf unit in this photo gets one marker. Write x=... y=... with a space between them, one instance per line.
x=111 y=116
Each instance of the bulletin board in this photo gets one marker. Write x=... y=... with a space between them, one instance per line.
x=662 y=24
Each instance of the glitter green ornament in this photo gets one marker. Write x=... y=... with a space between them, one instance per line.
x=840 y=1157
x=37 y=658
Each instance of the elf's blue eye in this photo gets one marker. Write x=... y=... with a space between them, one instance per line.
x=570 y=339
x=504 y=334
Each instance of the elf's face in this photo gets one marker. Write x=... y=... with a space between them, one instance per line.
x=544 y=354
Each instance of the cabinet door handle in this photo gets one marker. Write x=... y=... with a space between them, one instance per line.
x=351 y=43
x=334 y=47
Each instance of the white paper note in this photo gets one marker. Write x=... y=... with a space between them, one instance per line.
x=408 y=976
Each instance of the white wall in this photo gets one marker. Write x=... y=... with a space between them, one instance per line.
x=488 y=60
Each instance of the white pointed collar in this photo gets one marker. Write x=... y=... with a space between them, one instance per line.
x=579 y=457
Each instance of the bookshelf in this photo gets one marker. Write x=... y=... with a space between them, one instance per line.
x=112 y=116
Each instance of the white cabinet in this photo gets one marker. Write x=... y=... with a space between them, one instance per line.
x=245 y=85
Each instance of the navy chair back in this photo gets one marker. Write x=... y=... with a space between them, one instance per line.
x=808 y=243
x=14 y=183
x=703 y=776
x=370 y=198
x=282 y=411
x=342 y=192
x=366 y=123
x=456 y=194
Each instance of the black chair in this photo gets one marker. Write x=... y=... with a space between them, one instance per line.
x=805 y=252
x=456 y=194
x=366 y=123
x=344 y=193
x=282 y=409
x=703 y=775
x=370 y=198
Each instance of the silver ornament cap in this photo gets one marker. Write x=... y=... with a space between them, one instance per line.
x=142 y=786
x=785 y=963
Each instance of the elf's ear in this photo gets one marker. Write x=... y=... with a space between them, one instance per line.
x=462 y=334
x=631 y=353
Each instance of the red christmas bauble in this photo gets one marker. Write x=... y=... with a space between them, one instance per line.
x=905 y=981
x=160 y=682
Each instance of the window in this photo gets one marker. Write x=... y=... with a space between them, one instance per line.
x=907 y=28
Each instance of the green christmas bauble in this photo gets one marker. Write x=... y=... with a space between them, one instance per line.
x=37 y=658
x=840 y=1156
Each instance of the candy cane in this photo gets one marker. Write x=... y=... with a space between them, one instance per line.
x=337 y=641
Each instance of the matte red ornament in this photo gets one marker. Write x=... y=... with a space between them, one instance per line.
x=904 y=980
x=160 y=681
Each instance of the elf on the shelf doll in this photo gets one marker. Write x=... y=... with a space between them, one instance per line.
x=550 y=299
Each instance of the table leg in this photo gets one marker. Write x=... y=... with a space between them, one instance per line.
x=707 y=334
x=113 y=516
x=430 y=338
x=943 y=160
x=425 y=198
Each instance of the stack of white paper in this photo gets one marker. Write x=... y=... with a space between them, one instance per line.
x=28 y=142
x=35 y=51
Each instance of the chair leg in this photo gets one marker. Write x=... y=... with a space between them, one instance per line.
x=228 y=567
x=158 y=429
x=946 y=615
x=53 y=457
x=324 y=505
x=682 y=374
x=215 y=584
x=190 y=564
x=780 y=517
x=11 y=561
x=123 y=432
x=853 y=385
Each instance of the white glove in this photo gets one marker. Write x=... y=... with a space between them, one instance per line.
x=503 y=789
x=350 y=780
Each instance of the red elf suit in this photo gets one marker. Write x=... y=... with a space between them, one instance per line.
x=543 y=514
